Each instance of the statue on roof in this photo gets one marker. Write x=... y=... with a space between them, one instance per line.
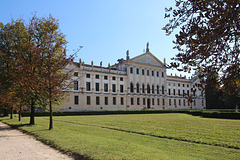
x=147 y=49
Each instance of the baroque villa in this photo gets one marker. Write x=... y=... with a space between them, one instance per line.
x=134 y=83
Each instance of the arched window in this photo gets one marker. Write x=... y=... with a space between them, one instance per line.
x=138 y=88
x=148 y=88
x=131 y=87
x=143 y=88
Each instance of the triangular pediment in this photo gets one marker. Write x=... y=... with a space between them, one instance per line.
x=72 y=65
x=148 y=58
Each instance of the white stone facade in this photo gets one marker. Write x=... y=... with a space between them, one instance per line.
x=132 y=84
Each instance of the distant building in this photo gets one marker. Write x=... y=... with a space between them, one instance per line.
x=131 y=84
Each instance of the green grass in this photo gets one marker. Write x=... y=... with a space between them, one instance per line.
x=143 y=136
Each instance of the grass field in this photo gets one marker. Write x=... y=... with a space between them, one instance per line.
x=143 y=136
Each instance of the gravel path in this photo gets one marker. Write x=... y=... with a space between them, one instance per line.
x=14 y=145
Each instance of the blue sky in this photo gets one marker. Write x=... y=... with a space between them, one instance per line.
x=105 y=28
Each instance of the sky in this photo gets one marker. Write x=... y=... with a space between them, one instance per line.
x=105 y=28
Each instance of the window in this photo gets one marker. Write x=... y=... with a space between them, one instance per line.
x=183 y=92
x=75 y=74
x=202 y=102
x=106 y=101
x=179 y=102
x=143 y=88
x=184 y=103
x=162 y=74
x=75 y=99
x=131 y=70
x=178 y=84
x=148 y=88
x=144 y=103
x=157 y=74
x=162 y=89
x=138 y=88
x=121 y=78
x=105 y=87
x=174 y=92
x=88 y=76
x=96 y=76
x=183 y=85
x=114 y=100
x=153 y=101
x=88 y=86
x=113 y=87
x=157 y=89
x=105 y=77
x=97 y=86
x=122 y=101
x=170 y=102
x=113 y=78
x=169 y=91
x=131 y=87
x=138 y=101
x=188 y=85
x=88 y=100
x=147 y=72
x=194 y=102
x=175 y=102
x=137 y=71
x=152 y=89
x=163 y=102
x=158 y=101
x=97 y=100
x=142 y=71
x=121 y=88
x=152 y=73
x=132 y=101
x=75 y=85
x=179 y=92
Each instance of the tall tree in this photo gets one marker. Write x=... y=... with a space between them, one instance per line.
x=208 y=38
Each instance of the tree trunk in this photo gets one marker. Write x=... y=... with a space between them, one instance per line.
x=51 y=116
x=32 y=113
x=20 y=113
x=11 y=116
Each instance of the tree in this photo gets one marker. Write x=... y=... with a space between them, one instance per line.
x=208 y=39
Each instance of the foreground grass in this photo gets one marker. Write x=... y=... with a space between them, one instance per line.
x=91 y=136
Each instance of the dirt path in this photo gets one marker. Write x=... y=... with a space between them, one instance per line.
x=14 y=145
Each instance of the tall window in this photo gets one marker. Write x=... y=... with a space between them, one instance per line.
x=162 y=74
x=158 y=101
x=170 y=102
x=131 y=87
x=148 y=88
x=75 y=85
x=142 y=71
x=137 y=71
x=179 y=92
x=88 y=86
x=143 y=88
x=174 y=92
x=106 y=101
x=88 y=100
x=144 y=103
x=122 y=101
x=162 y=89
x=179 y=102
x=97 y=100
x=153 y=101
x=121 y=88
x=157 y=74
x=113 y=87
x=184 y=103
x=169 y=91
x=75 y=99
x=138 y=101
x=152 y=89
x=157 y=89
x=147 y=72
x=121 y=78
x=152 y=73
x=114 y=100
x=131 y=70
x=105 y=87
x=174 y=102
x=132 y=101
x=138 y=88
x=97 y=86
x=163 y=102
x=183 y=92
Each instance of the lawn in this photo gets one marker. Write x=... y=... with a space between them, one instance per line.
x=143 y=136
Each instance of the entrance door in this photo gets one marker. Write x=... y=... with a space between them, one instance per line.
x=148 y=103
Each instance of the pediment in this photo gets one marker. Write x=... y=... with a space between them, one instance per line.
x=148 y=58
x=72 y=65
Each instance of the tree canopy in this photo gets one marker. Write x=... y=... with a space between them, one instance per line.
x=208 y=37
